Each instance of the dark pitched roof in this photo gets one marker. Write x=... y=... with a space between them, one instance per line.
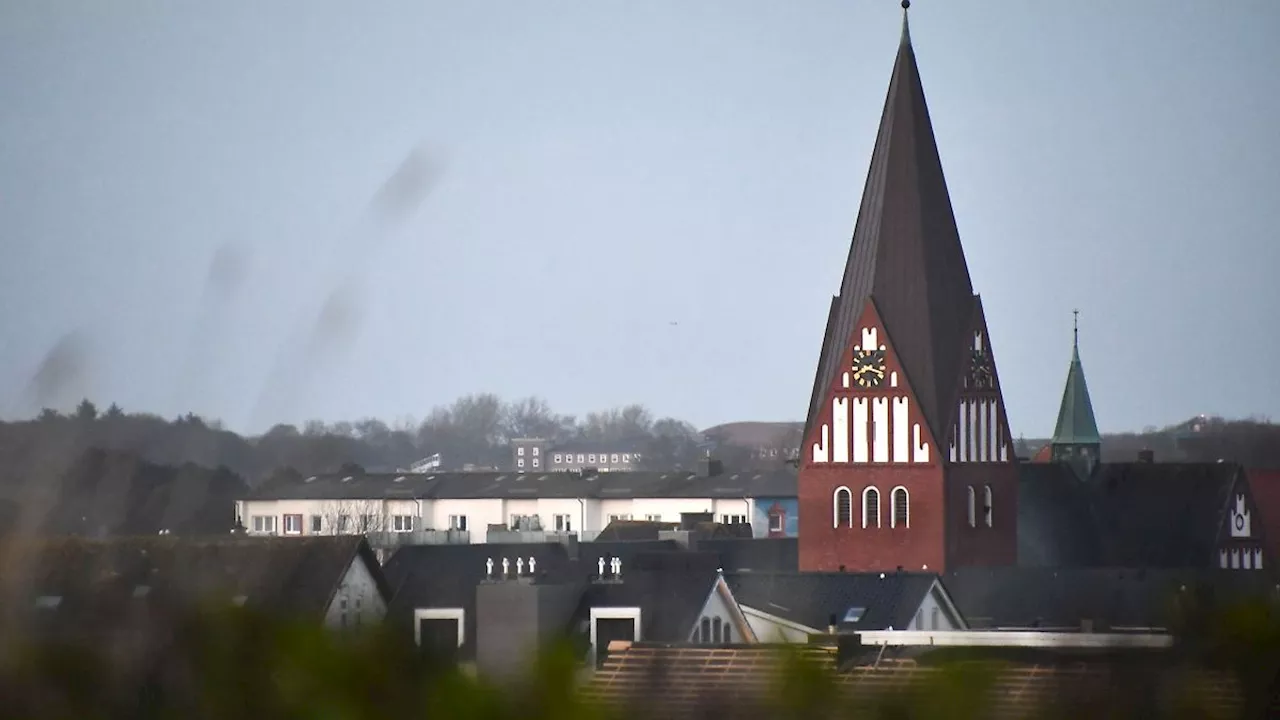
x=906 y=256
x=1109 y=597
x=669 y=588
x=474 y=485
x=811 y=599
x=1153 y=515
x=446 y=576
x=1076 y=424
x=755 y=554
x=291 y=576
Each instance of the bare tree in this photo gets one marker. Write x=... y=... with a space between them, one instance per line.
x=341 y=517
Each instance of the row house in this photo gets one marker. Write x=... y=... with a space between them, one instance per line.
x=469 y=507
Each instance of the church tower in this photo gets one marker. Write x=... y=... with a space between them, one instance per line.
x=907 y=459
x=1076 y=439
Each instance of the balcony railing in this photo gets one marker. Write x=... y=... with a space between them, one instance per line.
x=528 y=536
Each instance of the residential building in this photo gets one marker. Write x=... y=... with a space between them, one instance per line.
x=99 y=591
x=466 y=507
x=493 y=605
x=541 y=455
x=907 y=408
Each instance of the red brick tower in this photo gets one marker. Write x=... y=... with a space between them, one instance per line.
x=907 y=459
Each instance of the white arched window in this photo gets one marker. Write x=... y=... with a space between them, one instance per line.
x=986 y=504
x=842 y=510
x=973 y=508
x=901 y=508
x=870 y=507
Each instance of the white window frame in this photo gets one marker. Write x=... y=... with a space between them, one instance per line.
x=626 y=458
x=317 y=524
x=535 y=463
x=893 y=507
x=582 y=458
x=613 y=613
x=988 y=507
x=557 y=459
x=591 y=457
x=780 y=520
x=285 y=523
x=420 y=614
x=520 y=462
x=535 y=452
x=563 y=522
x=458 y=522
x=879 y=506
x=614 y=458
x=264 y=524
x=835 y=506
x=973 y=507
x=402 y=523
x=653 y=517
x=520 y=451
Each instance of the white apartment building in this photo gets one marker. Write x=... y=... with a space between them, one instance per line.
x=462 y=507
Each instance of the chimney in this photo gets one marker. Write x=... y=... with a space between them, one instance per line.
x=1146 y=456
x=709 y=466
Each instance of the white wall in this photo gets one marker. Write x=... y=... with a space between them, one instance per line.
x=589 y=515
x=364 y=605
x=924 y=617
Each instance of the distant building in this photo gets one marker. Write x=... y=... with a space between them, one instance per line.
x=540 y=454
x=1076 y=440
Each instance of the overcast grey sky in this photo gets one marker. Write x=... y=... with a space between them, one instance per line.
x=603 y=169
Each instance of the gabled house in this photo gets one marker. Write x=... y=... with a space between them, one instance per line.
x=791 y=607
x=84 y=590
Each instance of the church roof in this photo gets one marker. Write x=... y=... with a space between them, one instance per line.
x=906 y=256
x=1076 y=424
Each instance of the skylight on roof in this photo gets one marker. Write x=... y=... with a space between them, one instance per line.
x=854 y=614
x=48 y=602
x=399 y=478
x=347 y=478
x=310 y=479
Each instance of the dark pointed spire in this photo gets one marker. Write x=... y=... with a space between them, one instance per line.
x=906 y=256
x=906 y=28
x=1076 y=422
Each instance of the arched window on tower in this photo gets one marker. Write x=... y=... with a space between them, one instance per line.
x=705 y=626
x=870 y=507
x=986 y=504
x=973 y=508
x=901 y=508
x=715 y=631
x=842 y=510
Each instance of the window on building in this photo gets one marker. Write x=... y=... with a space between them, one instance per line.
x=368 y=523
x=842 y=512
x=626 y=516
x=626 y=458
x=920 y=619
x=356 y=614
x=614 y=458
x=264 y=523
x=402 y=523
x=581 y=458
x=535 y=462
x=933 y=619
x=870 y=507
x=563 y=523
x=716 y=630
x=458 y=522
x=317 y=525
x=986 y=504
x=519 y=462
x=777 y=520
x=901 y=508
x=973 y=508
x=292 y=524
x=733 y=519
x=557 y=459
x=705 y=627
x=344 y=523
x=591 y=458
x=536 y=452
x=653 y=518
x=520 y=451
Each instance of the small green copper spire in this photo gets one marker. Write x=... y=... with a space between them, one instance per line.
x=1076 y=423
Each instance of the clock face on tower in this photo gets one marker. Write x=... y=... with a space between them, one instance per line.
x=980 y=370
x=868 y=367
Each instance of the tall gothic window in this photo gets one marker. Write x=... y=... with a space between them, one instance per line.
x=986 y=504
x=901 y=508
x=973 y=508
x=843 y=510
x=870 y=507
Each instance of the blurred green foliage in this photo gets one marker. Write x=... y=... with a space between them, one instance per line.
x=240 y=664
